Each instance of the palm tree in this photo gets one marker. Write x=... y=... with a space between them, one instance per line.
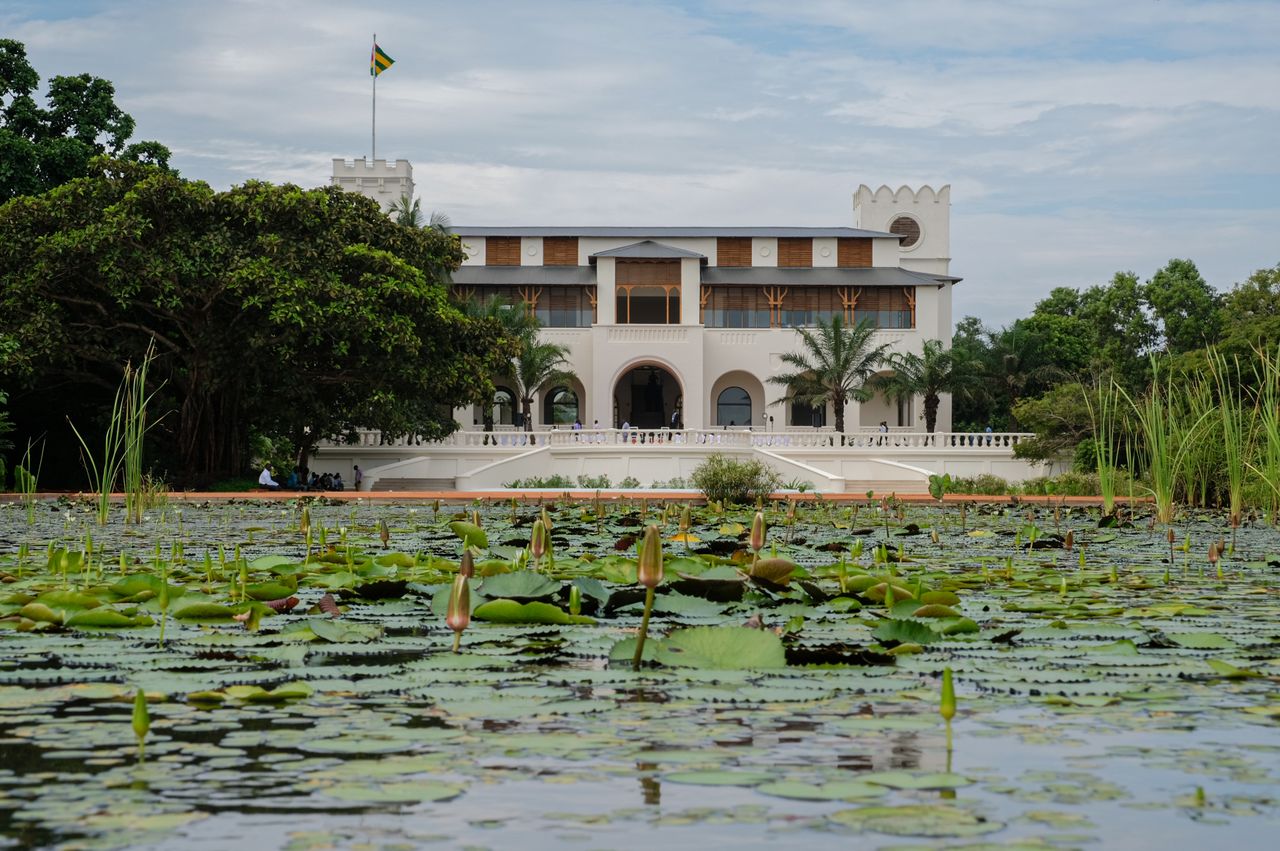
x=515 y=321
x=407 y=212
x=535 y=364
x=930 y=374
x=834 y=365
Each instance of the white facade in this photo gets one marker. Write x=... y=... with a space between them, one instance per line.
x=711 y=356
x=382 y=181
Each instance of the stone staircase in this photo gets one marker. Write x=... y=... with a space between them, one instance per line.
x=404 y=485
x=885 y=487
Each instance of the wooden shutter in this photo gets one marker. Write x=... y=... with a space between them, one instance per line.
x=502 y=251
x=853 y=253
x=560 y=251
x=795 y=251
x=733 y=251
x=656 y=274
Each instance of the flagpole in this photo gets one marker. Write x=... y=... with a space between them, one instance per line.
x=374 y=135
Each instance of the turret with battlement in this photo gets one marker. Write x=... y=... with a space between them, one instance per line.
x=922 y=216
x=382 y=181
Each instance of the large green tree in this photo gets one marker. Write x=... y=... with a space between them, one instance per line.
x=44 y=147
x=301 y=313
x=933 y=372
x=1185 y=306
x=833 y=365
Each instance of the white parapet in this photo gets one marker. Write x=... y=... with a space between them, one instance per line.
x=382 y=180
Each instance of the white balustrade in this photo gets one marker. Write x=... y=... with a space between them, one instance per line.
x=870 y=440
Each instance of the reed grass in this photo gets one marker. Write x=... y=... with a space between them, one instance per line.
x=122 y=444
x=1266 y=422
x=1237 y=428
x=1103 y=404
x=1165 y=436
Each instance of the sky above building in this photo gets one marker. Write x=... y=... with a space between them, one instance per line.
x=1080 y=138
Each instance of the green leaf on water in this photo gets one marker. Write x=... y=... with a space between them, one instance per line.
x=903 y=631
x=722 y=648
x=510 y=611
x=520 y=585
x=1201 y=640
x=471 y=534
x=718 y=778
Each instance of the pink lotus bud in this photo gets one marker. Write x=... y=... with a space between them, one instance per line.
x=756 y=541
x=538 y=540
x=649 y=572
x=459 y=614
x=467 y=566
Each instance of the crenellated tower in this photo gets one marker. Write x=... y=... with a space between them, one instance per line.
x=380 y=180
x=922 y=216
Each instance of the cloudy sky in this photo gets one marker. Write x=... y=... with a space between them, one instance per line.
x=1079 y=137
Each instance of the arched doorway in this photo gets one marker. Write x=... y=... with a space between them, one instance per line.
x=560 y=407
x=646 y=397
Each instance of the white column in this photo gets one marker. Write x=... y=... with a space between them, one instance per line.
x=606 y=291
x=690 y=290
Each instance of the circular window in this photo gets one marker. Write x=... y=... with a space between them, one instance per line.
x=908 y=228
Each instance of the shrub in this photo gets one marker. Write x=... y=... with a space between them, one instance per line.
x=595 y=482
x=629 y=482
x=983 y=485
x=675 y=484
x=726 y=480
x=556 y=481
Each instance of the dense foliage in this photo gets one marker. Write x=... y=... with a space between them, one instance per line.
x=301 y=313
x=41 y=148
x=732 y=482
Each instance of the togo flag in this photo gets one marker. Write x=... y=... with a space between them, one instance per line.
x=379 y=61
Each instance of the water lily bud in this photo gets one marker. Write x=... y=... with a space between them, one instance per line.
x=546 y=519
x=1213 y=552
x=947 y=707
x=888 y=596
x=141 y=716
x=649 y=573
x=538 y=540
x=756 y=541
x=685 y=519
x=304 y=524
x=575 y=600
x=1169 y=536
x=1069 y=541
x=459 y=613
x=467 y=566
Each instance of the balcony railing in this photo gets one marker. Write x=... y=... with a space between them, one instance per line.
x=868 y=440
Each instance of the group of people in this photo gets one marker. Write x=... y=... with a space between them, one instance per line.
x=303 y=479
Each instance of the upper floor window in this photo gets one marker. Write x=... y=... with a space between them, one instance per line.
x=502 y=251
x=733 y=251
x=795 y=252
x=801 y=307
x=560 y=251
x=853 y=252
x=648 y=293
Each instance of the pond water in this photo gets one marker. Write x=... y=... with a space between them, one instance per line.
x=1126 y=698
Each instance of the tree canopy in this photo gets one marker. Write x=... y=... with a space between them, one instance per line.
x=834 y=364
x=302 y=313
x=44 y=147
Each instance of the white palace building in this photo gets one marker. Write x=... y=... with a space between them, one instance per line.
x=673 y=333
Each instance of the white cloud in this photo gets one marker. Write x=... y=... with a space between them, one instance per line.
x=1078 y=137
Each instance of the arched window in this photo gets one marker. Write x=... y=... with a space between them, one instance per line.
x=560 y=407
x=504 y=407
x=804 y=415
x=733 y=407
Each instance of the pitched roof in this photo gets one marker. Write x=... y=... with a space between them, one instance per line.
x=869 y=276
x=668 y=232
x=554 y=276
x=649 y=250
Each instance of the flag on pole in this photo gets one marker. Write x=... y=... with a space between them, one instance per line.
x=379 y=61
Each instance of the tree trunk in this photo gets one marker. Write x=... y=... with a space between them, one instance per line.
x=930 y=412
x=839 y=403
x=526 y=411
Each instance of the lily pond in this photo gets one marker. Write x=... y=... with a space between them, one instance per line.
x=1114 y=686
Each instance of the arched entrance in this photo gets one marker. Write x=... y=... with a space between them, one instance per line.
x=646 y=397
